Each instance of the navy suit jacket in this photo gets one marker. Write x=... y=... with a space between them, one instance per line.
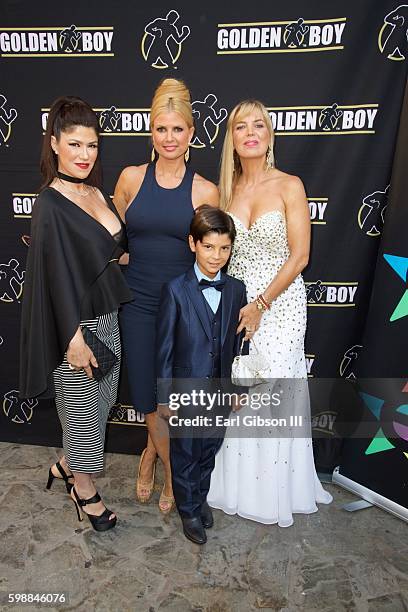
x=184 y=338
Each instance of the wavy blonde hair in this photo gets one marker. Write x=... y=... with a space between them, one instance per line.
x=172 y=95
x=231 y=168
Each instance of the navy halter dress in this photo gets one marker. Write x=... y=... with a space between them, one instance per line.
x=157 y=223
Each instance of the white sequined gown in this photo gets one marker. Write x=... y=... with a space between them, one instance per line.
x=268 y=478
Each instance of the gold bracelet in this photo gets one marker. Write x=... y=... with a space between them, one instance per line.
x=264 y=302
x=260 y=305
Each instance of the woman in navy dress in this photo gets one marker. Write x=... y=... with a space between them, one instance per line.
x=157 y=201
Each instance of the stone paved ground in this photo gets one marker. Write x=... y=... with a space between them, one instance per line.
x=331 y=560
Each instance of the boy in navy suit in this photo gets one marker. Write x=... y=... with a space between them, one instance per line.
x=196 y=339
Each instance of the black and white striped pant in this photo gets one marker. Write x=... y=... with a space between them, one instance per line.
x=83 y=404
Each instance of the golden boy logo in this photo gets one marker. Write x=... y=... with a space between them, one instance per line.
x=162 y=41
x=59 y=41
x=11 y=281
x=7 y=116
x=125 y=414
x=371 y=214
x=328 y=120
x=299 y=36
x=23 y=205
x=393 y=36
x=347 y=364
x=207 y=119
x=115 y=121
x=331 y=294
x=317 y=209
x=17 y=410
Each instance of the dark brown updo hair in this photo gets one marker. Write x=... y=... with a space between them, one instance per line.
x=67 y=112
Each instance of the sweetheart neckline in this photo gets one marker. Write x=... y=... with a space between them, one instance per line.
x=248 y=229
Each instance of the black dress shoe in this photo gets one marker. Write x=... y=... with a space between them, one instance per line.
x=193 y=530
x=207 y=518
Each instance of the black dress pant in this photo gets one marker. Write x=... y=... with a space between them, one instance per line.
x=192 y=462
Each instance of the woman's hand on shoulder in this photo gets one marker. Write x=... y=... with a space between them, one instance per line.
x=204 y=192
x=127 y=187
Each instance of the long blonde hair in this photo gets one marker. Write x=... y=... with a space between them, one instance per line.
x=231 y=168
x=172 y=95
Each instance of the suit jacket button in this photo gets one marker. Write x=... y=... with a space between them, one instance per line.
x=211 y=354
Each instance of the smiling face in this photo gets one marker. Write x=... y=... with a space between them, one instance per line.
x=250 y=136
x=77 y=150
x=171 y=135
x=212 y=252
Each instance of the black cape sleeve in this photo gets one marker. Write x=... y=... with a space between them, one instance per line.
x=68 y=251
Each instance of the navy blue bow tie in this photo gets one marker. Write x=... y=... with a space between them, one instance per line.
x=218 y=284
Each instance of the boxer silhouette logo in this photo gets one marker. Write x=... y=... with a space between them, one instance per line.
x=393 y=36
x=109 y=119
x=207 y=120
x=372 y=212
x=347 y=363
x=294 y=33
x=17 y=410
x=162 y=41
x=329 y=117
x=69 y=38
x=6 y=119
x=11 y=281
x=315 y=291
x=123 y=414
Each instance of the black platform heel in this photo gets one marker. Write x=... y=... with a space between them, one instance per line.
x=99 y=523
x=64 y=476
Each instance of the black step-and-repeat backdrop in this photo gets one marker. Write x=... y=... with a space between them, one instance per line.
x=332 y=76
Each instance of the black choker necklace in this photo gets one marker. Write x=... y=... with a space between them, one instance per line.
x=70 y=179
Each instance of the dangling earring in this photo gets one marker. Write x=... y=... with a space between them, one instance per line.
x=269 y=158
x=153 y=155
x=187 y=155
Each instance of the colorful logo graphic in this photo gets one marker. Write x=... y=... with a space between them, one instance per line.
x=400 y=266
x=207 y=120
x=393 y=421
x=17 y=410
x=11 y=281
x=162 y=42
x=71 y=41
x=393 y=36
x=371 y=214
x=6 y=119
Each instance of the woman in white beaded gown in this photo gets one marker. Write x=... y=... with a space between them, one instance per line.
x=264 y=477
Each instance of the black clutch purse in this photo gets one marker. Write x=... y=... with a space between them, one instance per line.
x=104 y=356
